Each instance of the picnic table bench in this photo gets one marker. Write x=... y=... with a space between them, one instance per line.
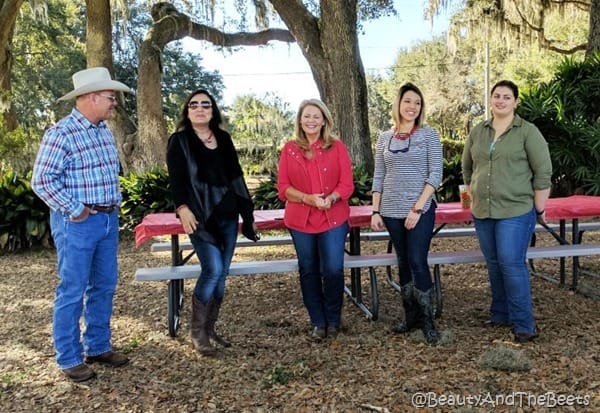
x=436 y=259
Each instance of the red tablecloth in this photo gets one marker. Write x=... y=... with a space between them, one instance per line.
x=577 y=206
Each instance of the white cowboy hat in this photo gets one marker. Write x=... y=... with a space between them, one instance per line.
x=93 y=80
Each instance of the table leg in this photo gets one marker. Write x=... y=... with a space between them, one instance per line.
x=562 y=232
x=355 y=286
x=354 y=292
x=174 y=304
x=575 y=240
x=175 y=290
x=437 y=291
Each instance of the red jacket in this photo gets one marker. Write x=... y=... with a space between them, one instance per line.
x=335 y=175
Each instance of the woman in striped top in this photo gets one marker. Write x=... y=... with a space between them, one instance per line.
x=408 y=169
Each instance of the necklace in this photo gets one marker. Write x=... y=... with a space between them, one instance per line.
x=206 y=140
x=404 y=135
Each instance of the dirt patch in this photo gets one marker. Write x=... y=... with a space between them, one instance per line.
x=273 y=366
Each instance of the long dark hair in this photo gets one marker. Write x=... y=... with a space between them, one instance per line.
x=214 y=124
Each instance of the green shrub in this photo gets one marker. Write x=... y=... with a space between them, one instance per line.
x=363 y=182
x=24 y=218
x=566 y=112
x=18 y=149
x=265 y=195
x=448 y=190
x=144 y=194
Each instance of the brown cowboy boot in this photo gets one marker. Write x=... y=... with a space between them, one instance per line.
x=199 y=328
x=214 y=306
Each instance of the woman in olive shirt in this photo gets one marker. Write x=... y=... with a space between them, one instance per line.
x=507 y=168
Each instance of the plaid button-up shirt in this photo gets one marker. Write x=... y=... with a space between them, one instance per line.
x=77 y=164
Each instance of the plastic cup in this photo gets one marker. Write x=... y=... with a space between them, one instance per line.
x=465 y=197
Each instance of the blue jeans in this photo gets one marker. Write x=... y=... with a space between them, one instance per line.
x=215 y=261
x=504 y=244
x=87 y=269
x=412 y=248
x=321 y=264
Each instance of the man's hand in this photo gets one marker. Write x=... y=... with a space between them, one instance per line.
x=84 y=214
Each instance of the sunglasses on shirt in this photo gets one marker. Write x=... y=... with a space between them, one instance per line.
x=403 y=150
x=194 y=104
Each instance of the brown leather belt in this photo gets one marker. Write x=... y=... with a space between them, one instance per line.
x=107 y=209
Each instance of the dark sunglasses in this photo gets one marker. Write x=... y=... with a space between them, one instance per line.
x=403 y=150
x=194 y=104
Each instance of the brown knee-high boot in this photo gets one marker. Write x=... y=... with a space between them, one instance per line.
x=199 y=328
x=214 y=306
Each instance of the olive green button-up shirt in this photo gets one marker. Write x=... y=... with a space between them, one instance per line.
x=503 y=175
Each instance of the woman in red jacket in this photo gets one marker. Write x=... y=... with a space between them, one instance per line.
x=315 y=181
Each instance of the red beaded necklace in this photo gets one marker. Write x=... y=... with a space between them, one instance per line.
x=404 y=135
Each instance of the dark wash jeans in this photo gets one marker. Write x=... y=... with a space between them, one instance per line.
x=504 y=244
x=412 y=248
x=321 y=264
x=215 y=261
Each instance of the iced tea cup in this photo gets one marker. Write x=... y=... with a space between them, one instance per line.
x=465 y=197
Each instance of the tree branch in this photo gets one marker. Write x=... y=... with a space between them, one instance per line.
x=170 y=25
x=202 y=32
x=547 y=43
x=570 y=51
x=582 y=3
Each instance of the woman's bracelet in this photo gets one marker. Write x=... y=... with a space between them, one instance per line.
x=180 y=207
x=302 y=199
x=538 y=213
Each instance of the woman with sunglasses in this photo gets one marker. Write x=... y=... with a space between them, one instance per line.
x=408 y=170
x=210 y=193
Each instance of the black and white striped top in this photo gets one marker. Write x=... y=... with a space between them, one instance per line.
x=401 y=176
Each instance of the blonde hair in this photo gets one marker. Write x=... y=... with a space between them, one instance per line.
x=300 y=136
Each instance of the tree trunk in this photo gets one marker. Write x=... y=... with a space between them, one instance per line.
x=9 y=11
x=346 y=88
x=330 y=45
x=594 y=34
x=170 y=25
x=99 y=53
x=151 y=146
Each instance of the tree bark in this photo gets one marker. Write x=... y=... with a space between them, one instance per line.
x=99 y=53
x=593 y=43
x=170 y=25
x=330 y=45
x=9 y=11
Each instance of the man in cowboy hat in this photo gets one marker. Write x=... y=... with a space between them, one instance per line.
x=76 y=174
